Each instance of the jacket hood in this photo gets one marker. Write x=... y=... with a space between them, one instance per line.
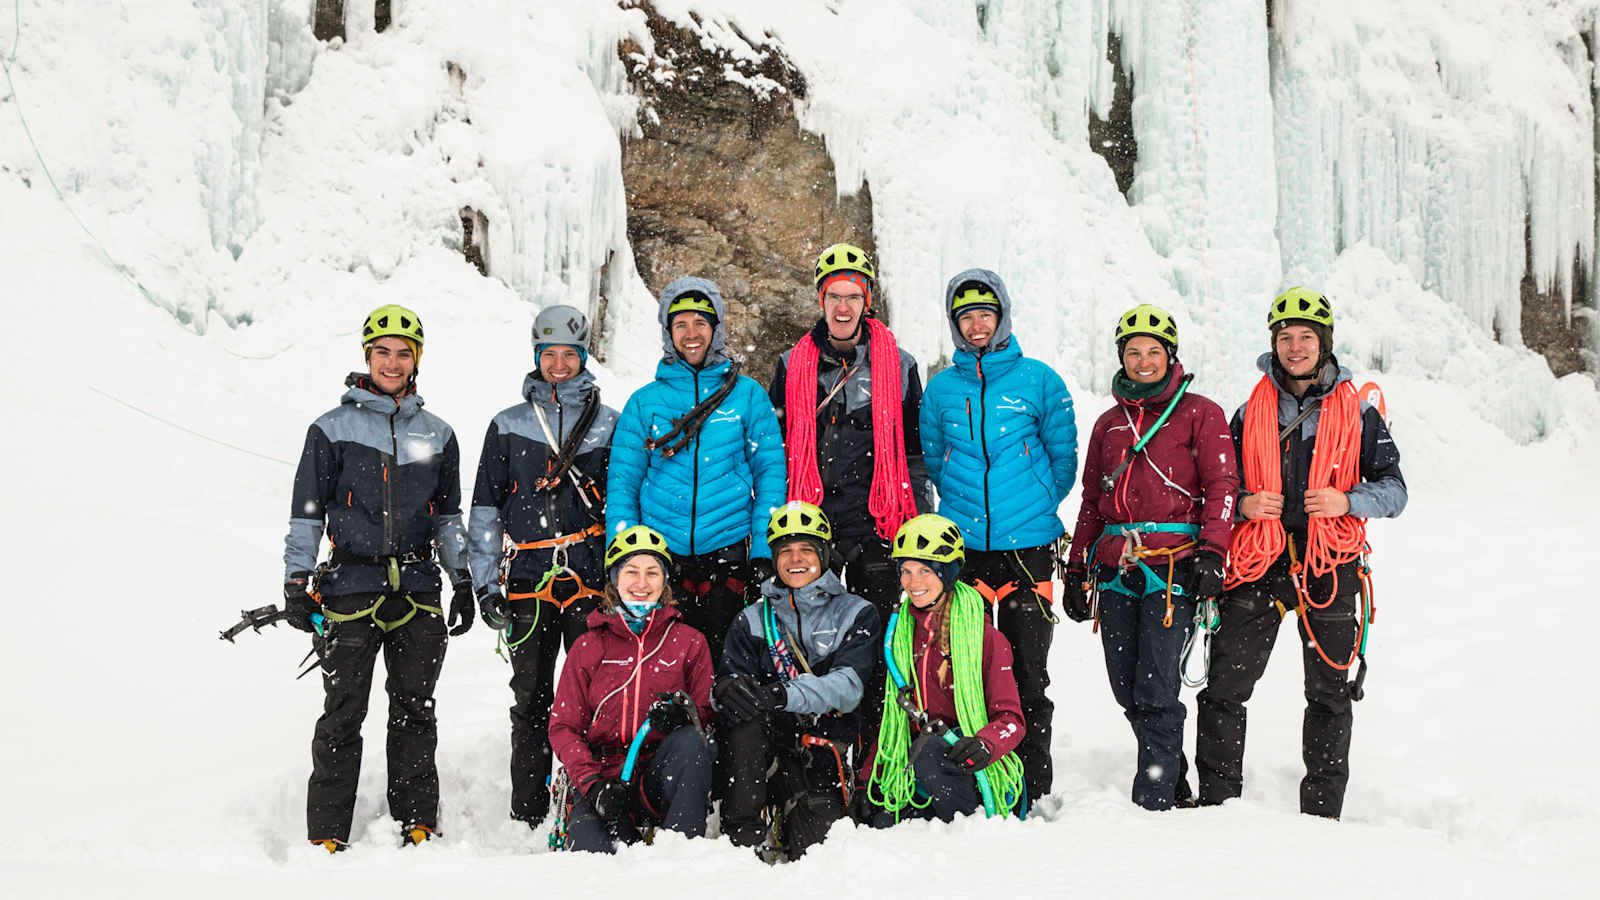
x=1331 y=376
x=692 y=285
x=1002 y=330
x=571 y=392
x=812 y=597
x=364 y=394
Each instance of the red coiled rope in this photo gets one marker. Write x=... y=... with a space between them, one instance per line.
x=890 y=501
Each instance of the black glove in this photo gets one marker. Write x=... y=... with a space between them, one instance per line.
x=496 y=609
x=1205 y=579
x=1075 y=593
x=609 y=799
x=297 y=603
x=760 y=570
x=669 y=713
x=461 y=611
x=743 y=698
x=969 y=754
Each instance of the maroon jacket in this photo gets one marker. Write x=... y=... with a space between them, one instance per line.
x=1006 y=726
x=1194 y=450
x=608 y=683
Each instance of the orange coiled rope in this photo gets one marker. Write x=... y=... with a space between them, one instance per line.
x=1335 y=462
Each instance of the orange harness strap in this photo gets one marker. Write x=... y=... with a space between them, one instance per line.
x=564 y=540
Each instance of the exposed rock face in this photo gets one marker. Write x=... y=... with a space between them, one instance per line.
x=1112 y=137
x=1545 y=327
x=724 y=185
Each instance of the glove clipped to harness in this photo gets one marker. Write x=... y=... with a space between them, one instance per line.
x=297 y=603
x=462 y=614
x=609 y=799
x=1075 y=593
x=969 y=754
x=496 y=608
x=742 y=698
x=669 y=713
x=1205 y=579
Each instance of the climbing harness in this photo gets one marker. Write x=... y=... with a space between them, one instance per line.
x=1021 y=579
x=544 y=591
x=1134 y=553
x=392 y=566
x=1108 y=482
x=686 y=428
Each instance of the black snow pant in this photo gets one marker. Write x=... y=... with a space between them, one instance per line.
x=1251 y=614
x=533 y=674
x=868 y=572
x=413 y=654
x=673 y=789
x=769 y=771
x=950 y=791
x=1143 y=664
x=714 y=588
x=1025 y=616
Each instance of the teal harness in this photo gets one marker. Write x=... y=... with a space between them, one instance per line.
x=1131 y=530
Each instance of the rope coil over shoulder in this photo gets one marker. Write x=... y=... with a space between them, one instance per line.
x=687 y=426
x=1330 y=541
x=892 y=785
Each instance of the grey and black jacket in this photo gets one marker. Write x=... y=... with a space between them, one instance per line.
x=1381 y=491
x=844 y=429
x=516 y=455
x=384 y=478
x=841 y=638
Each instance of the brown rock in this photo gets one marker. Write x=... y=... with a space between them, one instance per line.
x=725 y=185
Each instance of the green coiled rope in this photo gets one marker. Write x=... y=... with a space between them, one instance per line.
x=892 y=785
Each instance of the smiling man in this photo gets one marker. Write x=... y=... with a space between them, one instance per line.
x=788 y=689
x=859 y=457
x=698 y=456
x=382 y=477
x=1317 y=461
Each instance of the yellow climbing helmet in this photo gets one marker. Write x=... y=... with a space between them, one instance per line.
x=393 y=321
x=929 y=537
x=973 y=294
x=1149 y=320
x=844 y=258
x=692 y=301
x=799 y=520
x=637 y=539
x=1300 y=304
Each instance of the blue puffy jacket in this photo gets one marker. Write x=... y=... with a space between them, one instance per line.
x=722 y=488
x=999 y=436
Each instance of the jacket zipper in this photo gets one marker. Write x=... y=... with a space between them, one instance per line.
x=983 y=439
x=694 y=481
x=388 y=486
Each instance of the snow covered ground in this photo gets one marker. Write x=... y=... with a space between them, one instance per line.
x=145 y=757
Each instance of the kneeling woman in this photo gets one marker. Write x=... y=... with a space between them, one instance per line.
x=637 y=663
x=1159 y=482
x=945 y=748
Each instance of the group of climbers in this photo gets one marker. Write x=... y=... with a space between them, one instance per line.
x=758 y=603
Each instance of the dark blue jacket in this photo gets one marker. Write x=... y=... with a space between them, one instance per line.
x=999 y=437
x=721 y=489
x=384 y=478
x=506 y=500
